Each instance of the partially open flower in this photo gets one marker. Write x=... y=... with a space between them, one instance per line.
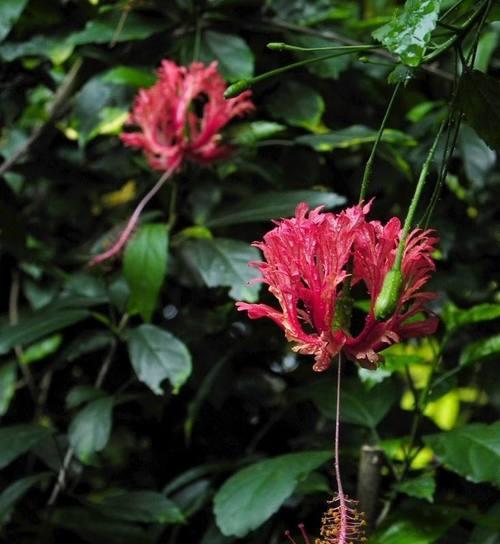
x=307 y=261
x=180 y=117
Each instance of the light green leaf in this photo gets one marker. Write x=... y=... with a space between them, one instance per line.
x=54 y=48
x=235 y=58
x=353 y=136
x=251 y=132
x=409 y=32
x=157 y=355
x=91 y=427
x=252 y=495
x=142 y=506
x=224 y=263
x=8 y=376
x=360 y=405
x=297 y=104
x=18 y=439
x=145 y=267
x=14 y=492
x=473 y=451
x=482 y=349
x=421 y=487
x=272 y=205
x=131 y=76
x=455 y=317
x=10 y=11
x=41 y=349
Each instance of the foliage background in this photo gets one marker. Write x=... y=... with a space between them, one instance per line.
x=139 y=378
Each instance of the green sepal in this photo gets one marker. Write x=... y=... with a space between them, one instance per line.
x=343 y=313
x=387 y=300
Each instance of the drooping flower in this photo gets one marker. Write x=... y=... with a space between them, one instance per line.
x=342 y=523
x=181 y=116
x=307 y=261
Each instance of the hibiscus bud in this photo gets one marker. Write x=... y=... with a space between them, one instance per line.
x=237 y=88
x=387 y=300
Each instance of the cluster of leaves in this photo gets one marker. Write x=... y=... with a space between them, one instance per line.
x=136 y=404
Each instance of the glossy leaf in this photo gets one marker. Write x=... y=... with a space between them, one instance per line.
x=353 y=136
x=91 y=427
x=142 y=506
x=131 y=76
x=10 y=10
x=409 y=32
x=455 y=318
x=271 y=205
x=479 y=159
x=252 y=132
x=473 y=451
x=479 y=96
x=18 y=439
x=145 y=267
x=297 y=104
x=157 y=355
x=480 y=350
x=224 y=263
x=252 y=495
x=8 y=376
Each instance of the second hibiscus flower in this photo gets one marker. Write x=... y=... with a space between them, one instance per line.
x=308 y=259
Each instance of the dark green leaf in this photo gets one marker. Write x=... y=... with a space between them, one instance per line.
x=297 y=104
x=18 y=439
x=409 y=32
x=353 y=136
x=479 y=96
x=479 y=159
x=421 y=487
x=8 y=376
x=90 y=429
x=39 y=324
x=145 y=267
x=224 y=263
x=10 y=495
x=107 y=29
x=360 y=405
x=10 y=11
x=95 y=528
x=482 y=349
x=157 y=355
x=143 y=506
x=272 y=205
x=473 y=451
x=252 y=495
x=235 y=58
x=82 y=393
x=57 y=49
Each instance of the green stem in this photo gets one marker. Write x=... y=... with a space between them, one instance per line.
x=243 y=84
x=369 y=163
x=415 y=200
x=458 y=36
x=281 y=46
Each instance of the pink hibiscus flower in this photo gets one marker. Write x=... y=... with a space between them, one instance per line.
x=181 y=116
x=307 y=260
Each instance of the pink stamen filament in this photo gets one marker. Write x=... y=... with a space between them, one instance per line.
x=132 y=222
x=343 y=527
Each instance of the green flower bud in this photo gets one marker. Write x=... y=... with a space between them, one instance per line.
x=237 y=88
x=387 y=300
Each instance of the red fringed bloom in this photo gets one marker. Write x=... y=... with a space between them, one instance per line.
x=307 y=260
x=180 y=117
